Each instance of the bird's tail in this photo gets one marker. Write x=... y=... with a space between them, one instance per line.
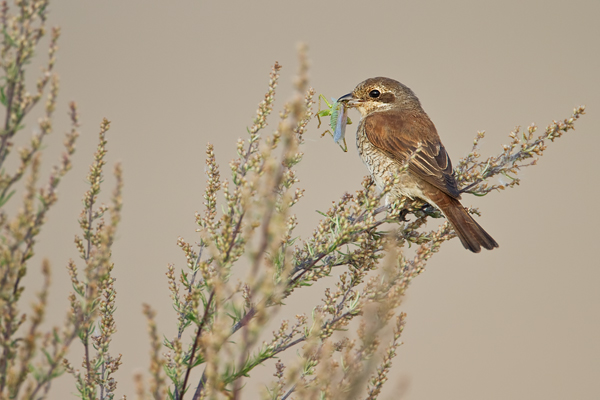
x=472 y=236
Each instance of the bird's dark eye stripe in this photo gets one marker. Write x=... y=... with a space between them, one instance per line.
x=374 y=93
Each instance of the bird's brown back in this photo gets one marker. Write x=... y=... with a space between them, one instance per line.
x=404 y=134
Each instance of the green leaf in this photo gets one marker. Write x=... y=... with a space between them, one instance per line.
x=3 y=99
x=508 y=176
x=77 y=290
x=198 y=361
x=57 y=338
x=8 y=38
x=5 y=199
x=478 y=194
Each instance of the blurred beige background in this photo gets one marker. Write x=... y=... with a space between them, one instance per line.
x=520 y=322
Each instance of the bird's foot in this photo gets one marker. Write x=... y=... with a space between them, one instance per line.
x=431 y=211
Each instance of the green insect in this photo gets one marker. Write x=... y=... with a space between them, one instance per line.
x=338 y=118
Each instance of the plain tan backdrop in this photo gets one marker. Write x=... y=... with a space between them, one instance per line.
x=520 y=322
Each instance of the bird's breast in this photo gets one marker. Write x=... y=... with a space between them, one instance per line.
x=381 y=166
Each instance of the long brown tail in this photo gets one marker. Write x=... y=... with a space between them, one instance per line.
x=470 y=233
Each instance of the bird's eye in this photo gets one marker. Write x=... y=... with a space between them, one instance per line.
x=374 y=94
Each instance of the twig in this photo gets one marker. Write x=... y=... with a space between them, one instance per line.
x=196 y=341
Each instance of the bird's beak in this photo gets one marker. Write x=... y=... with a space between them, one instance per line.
x=349 y=99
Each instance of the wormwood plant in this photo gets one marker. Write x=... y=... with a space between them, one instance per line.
x=31 y=358
x=241 y=268
x=221 y=319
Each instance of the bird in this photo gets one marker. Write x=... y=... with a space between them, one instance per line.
x=395 y=130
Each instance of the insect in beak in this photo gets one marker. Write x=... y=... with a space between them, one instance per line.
x=338 y=119
x=340 y=127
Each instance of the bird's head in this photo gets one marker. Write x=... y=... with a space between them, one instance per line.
x=381 y=94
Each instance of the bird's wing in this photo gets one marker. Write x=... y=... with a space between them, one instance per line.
x=400 y=135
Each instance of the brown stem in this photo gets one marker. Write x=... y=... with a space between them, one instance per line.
x=196 y=341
